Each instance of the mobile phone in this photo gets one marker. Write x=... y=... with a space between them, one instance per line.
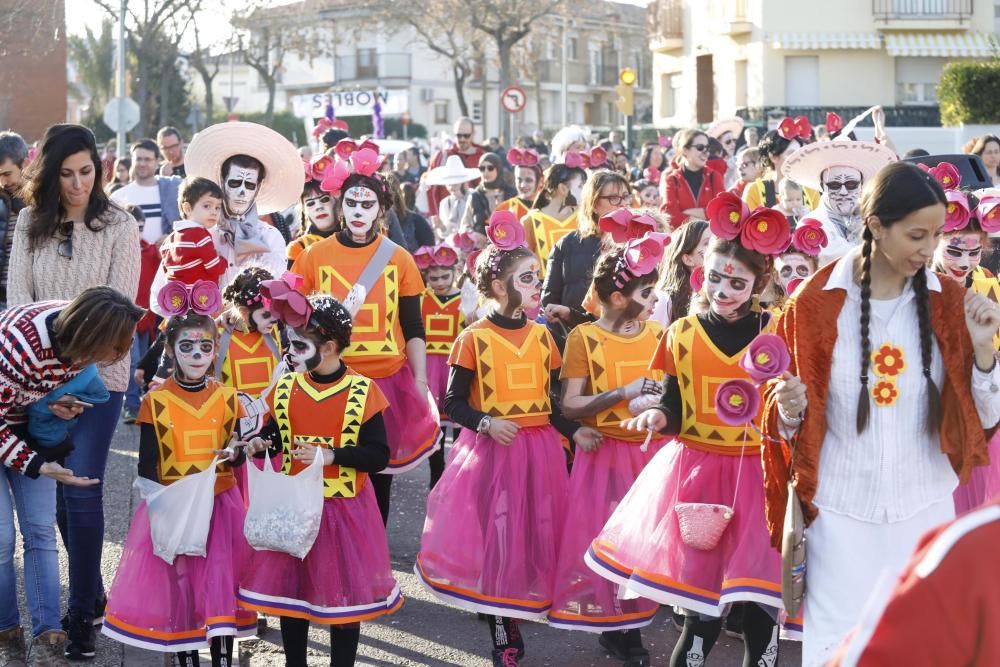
x=70 y=402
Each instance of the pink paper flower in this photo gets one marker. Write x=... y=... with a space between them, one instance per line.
x=334 y=177
x=423 y=257
x=726 y=214
x=643 y=255
x=624 y=226
x=283 y=299
x=173 y=298
x=505 y=230
x=988 y=213
x=736 y=402
x=470 y=262
x=463 y=241
x=444 y=255
x=205 y=298
x=345 y=147
x=947 y=175
x=575 y=160
x=957 y=213
x=766 y=231
x=809 y=237
x=766 y=358
x=365 y=161
x=697 y=278
x=597 y=157
x=317 y=170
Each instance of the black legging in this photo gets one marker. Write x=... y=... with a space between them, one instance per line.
x=699 y=636
x=219 y=658
x=383 y=492
x=343 y=642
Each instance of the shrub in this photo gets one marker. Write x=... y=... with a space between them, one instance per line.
x=968 y=93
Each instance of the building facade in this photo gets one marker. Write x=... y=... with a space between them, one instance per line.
x=763 y=59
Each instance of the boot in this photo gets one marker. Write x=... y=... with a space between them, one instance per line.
x=81 y=637
x=12 y=647
x=48 y=650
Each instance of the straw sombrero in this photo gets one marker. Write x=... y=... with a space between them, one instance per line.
x=806 y=165
x=282 y=184
x=720 y=127
x=453 y=172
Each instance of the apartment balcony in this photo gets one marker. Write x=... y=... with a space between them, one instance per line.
x=387 y=69
x=665 y=20
x=896 y=116
x=731 y=17
x=922 y=14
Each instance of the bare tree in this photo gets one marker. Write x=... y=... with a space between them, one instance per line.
x=207 y=67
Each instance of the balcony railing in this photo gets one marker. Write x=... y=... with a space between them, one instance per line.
x=896 y=116
x=665 y=20
x=382 y=67
x=582 y=74
x=922 y=10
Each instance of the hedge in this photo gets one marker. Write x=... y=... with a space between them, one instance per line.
x=969 y=92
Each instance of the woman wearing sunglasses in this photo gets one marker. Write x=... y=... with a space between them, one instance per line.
x=689 y=186
x=492 y=189
x=71 y=237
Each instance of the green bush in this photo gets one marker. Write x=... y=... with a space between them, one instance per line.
x=968 y=93
x=284 y=123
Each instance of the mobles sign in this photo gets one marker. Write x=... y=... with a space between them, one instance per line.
x=351 y=103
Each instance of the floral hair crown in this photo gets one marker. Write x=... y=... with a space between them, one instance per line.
x=639 y=257
x=623 y=225
x=765 y=230
x=282 y=298
x=592 y=159
x=958 y=211
x=176 y=298
x=440 y=255
x=522 y=157
x=794 y=128
x=352 y=158
x=505 y=233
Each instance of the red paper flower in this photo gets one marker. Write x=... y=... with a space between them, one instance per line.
x=470 y=262
x=697 y=278
x=726 y=214
x=795 y=128
x=423 y=257
x=463 y=241
x=623 y=225
x=888 y=361
x=597 y=157
x=834 y=123
x=957 y=211
x=988 y=213
x=317 y=169
x=505 y=230
x=885 y=393
x=946 y=174
x=444 y=255
x=766 y=231
x=736 y=402
x=809 y=237
x=522 y=157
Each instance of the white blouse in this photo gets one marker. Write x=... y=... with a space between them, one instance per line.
x=894 y=469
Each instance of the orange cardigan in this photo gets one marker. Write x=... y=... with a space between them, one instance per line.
x=810 y=340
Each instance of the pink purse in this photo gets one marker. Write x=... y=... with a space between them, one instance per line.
x=703 y=524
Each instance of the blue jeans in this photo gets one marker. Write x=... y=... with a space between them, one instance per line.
x=140 y=344
x=35 y=501
x=80 y=509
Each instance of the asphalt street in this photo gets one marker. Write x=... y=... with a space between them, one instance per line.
x=424 y=632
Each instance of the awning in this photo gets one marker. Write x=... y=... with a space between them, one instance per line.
x=811 y=41
x=943 y=44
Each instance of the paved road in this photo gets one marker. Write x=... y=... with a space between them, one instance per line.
x=423 y=633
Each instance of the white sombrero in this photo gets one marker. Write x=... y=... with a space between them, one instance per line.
x=453 y=172
x=282 y=184
x=720 y=127
x=806 y=165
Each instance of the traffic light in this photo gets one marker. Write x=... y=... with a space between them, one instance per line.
x=626 y=101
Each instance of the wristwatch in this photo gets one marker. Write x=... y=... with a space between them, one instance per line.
x=484 y=424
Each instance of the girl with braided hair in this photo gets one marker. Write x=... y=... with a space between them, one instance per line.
x=889 y=400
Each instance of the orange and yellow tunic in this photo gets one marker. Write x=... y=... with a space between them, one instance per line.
x=985 y=283
x=516 y=205
x=542 y=232
x=442 y=321
x=296 y=246
x=247 y=360
x=610 y=361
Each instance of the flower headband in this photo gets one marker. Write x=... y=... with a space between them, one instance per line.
x=316 y=169
x=505 y=233
x=347 y=147
x=286 y=303
x=439 y=255
x=463 y=241
x=324 y=124
x=765 y=230
x=364 y=161
x=809 y=237
x=945 y=173
x=795 y=128
x=623 y=225
x=592 y=159
x=522 y=157
x=176 y=298
x=640 y=257
x=834 y=123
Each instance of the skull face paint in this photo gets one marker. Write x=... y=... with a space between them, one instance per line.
x=959 y=254
x=728 y=291
x=319 y=211
x=241 y=186
x=194 y=352
x=641 y=303
x=303 y=355
x=262 y=319
x=793 y=266
x=524 y=289
x=844 y=195
x=361 y=209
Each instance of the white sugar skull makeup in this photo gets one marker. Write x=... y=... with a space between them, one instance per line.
x=793 y=266
x=524 y=288
x=842 y=189
x=263 y=319
x=194 y=352
x=302 y=355
x=957 y=255
x=576 y=190
x=527 y=182
x=240 y=187
x=319 y=211
x=728 y=285
x=361 y=209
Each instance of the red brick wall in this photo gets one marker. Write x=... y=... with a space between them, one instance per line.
x=32 y=65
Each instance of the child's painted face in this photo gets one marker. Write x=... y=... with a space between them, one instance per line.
x=524 y=287
x=263 y=319
x=360 y=210
x=959 y=254
x=728 y=284
x=792 y=266
x=206 y=211
x=319 y=210
x=527 y=182
x=650 y=196
x=440 y=280
x=194 y=352
x=303 y=354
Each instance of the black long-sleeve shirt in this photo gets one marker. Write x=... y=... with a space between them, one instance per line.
x=568 y=275
x=456 y=399
x=730 y=338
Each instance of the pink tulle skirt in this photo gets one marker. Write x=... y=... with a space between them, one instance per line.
x=641 y=548
x=411 y=425
x=345 y=578
x=599 y=481
x=490 y=539
x=437 y=378
x=984 y=484
x=168 y=608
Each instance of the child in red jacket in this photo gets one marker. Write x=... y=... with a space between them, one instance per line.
x=188 y=253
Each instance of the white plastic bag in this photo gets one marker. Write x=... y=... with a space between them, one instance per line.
x=285 y=511
x=180 y=514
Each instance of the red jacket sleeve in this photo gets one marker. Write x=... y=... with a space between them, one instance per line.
x=675 y=199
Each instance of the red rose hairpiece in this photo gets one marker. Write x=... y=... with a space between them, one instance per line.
x=522 y=157
x=795 y=128
x=176 y=298
x=809 y=237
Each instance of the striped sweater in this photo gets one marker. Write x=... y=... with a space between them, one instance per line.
x=29 y=369
x=189 y=254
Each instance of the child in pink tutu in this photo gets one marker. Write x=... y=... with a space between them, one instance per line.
x=490 y=540
x=325 y=409
x=192 y=603
x=641 y=546
x=604 y=375
x=443 y=318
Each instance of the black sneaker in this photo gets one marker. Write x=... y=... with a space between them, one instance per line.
x=638 y=656
x=99 y=607
x=82 y=637
x=505 y=657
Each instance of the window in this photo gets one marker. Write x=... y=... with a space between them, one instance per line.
x=441 y=112
x=612 y=113
x=917 y=79
x=477 y=111
x=367 y=63
x=572 y=48
x=594 y=61
x=573 y=111
x=802 y=81
x=550 y=49
x=740 y=87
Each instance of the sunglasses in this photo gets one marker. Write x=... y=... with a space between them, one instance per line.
x=850 y=186
x=461 y=135
x=65 y=247
x=487 y=167
x=235 y=183
x=701 y=148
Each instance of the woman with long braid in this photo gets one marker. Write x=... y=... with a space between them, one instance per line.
x=892 y=389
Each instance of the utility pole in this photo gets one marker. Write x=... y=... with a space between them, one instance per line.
x=122 y=148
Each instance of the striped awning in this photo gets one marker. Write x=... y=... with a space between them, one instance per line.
x=811 y=41
x=940 y=44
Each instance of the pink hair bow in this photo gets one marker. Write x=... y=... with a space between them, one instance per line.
x=522 y=157
x=795 y=128
x=283 y=299
x=176 y=298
